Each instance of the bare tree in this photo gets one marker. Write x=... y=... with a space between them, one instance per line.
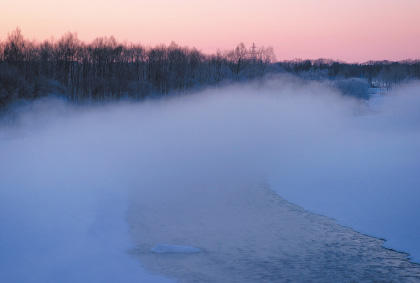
x=238 y=59
x=14 y=47
x=266 y=56
x=107 y=69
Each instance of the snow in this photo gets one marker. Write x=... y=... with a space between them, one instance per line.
x=367 y=179
x=65 y=233
x=165 y=248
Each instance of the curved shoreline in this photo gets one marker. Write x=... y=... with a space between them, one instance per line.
x=250 y=234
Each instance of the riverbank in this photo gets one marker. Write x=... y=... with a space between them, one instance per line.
x=249 y=234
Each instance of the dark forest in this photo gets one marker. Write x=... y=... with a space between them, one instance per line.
x=106 y=69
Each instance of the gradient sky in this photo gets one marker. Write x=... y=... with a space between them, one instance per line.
x=354 y=31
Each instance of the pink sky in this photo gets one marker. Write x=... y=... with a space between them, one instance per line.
x=357 y=30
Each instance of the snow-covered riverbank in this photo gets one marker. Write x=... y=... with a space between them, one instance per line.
x=368 y=178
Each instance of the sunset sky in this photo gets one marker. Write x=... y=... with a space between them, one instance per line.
x=353 y=31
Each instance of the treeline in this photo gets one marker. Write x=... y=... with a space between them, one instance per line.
x=379 y=74
x=106 y=69
x=357 y=79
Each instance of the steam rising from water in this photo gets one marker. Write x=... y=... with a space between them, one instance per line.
x=66 y=172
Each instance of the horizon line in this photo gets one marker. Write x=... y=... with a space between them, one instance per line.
x=126 y=42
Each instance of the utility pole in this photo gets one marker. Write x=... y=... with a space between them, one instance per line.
x=254 y=53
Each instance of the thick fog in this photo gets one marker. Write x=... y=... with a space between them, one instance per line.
x=68 y=173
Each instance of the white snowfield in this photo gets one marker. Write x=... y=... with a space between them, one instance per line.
x=165 y=248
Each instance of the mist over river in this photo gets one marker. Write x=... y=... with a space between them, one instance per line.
x=241 y=172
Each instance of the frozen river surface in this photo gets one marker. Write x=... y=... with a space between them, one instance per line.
x=249 y=234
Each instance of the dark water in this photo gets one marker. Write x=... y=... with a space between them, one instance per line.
x=250 y=234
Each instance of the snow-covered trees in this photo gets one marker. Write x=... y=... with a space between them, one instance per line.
x=354 y=78
x=353 y=86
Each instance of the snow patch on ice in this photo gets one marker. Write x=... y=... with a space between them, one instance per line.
x=164 y=248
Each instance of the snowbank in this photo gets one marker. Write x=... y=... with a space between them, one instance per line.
x=164 y=248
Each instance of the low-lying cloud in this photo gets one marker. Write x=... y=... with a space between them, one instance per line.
x=67 y=172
